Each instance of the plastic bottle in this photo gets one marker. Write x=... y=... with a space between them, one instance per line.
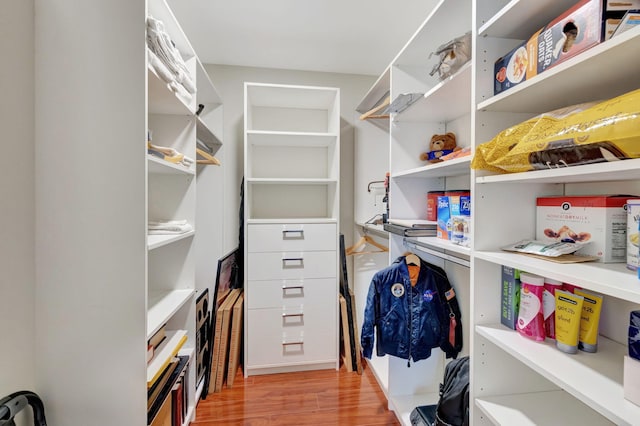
x=530 y=316
x=549 y=306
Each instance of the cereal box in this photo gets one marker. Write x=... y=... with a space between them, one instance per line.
x=575 y=31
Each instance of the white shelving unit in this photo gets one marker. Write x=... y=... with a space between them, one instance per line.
x=444 y=107
x=291 y=210
x=512 y=378
x=104 y=285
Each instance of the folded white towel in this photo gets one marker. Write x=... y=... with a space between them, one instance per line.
x=159 y=67
x=167 y=231
x=168 y=222
x=171 y=228
x=180 y=90
x=160 y=43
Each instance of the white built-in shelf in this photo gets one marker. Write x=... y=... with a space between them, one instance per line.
x=598 y=79
x=290 y=181
x=436 y=29
x=373 y=229
x=205 y=135
x=593 y=378
x=522 y=18
x=162 y=100
x=293 y=220
x=293 y=139
x=600 y=172
x=158 y=240
x=440 y=243
x=207 y=92
x=612 y=279
x=162 y=305
x=157 y=165
x=437 y=105
x=289 y=96
x=164 y=352
x=159 y=9
x=376 y=93
x=560 y=408
x=455 y=167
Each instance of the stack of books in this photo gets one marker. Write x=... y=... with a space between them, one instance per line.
x=411 y=227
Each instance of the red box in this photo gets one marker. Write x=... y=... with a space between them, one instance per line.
x=576 y=30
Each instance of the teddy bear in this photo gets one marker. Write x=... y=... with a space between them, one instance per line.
x=439 y=146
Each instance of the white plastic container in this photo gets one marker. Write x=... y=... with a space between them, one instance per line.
x=633 y=234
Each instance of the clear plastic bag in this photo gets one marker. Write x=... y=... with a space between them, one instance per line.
x=453 y=55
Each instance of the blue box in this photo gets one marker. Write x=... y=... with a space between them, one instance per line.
x=444 y=218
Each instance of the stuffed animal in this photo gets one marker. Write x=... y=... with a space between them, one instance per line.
x=439 y=146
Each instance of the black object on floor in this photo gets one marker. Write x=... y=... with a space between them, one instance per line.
x=12 y=404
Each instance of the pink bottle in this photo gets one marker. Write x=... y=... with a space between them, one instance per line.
x=530 y=316
x=549 y=306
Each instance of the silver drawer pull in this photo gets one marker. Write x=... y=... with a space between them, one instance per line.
x=293 y=234
x=293 y=262
x=285 y=315
x=292 y=343
x=292 y=287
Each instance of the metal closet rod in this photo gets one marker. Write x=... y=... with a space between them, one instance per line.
x=445 y=256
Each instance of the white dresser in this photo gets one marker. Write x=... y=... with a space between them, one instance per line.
x=291 y=228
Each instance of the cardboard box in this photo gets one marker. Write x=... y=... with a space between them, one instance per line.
x=600 y=220
x=617 y=5
x=576 y=30
x=451 y=206
x=444 y=218
x=510 y=297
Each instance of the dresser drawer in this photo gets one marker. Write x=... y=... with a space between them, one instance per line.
x=279 y=337
x=292 y=265
x=291 y=237
x=290 y=293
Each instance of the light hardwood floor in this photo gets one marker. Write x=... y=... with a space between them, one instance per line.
x=326 y=397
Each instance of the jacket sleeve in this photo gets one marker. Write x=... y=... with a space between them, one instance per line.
x=368 y=325
x=451 y=339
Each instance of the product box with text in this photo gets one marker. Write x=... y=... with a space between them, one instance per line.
x=599 y=220
x=510 y=297
x=576 y=30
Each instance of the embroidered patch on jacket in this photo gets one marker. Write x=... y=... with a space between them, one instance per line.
x=450 y=294
x=397 y=289
x=427 y=296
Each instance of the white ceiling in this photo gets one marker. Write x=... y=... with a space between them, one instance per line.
x=345 y=36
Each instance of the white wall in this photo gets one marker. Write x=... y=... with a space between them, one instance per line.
x=17 y=259
x=229 y=80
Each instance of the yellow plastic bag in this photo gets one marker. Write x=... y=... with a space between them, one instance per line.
x=582 y=134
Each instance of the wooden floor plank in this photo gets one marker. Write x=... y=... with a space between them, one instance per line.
x=323 y=397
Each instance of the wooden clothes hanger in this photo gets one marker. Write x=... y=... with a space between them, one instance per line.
x=365 y=239
x=208 y=158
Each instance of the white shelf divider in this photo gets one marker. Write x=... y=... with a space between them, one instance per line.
x=155 y=241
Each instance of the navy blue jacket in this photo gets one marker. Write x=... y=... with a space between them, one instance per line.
x=411 y=320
